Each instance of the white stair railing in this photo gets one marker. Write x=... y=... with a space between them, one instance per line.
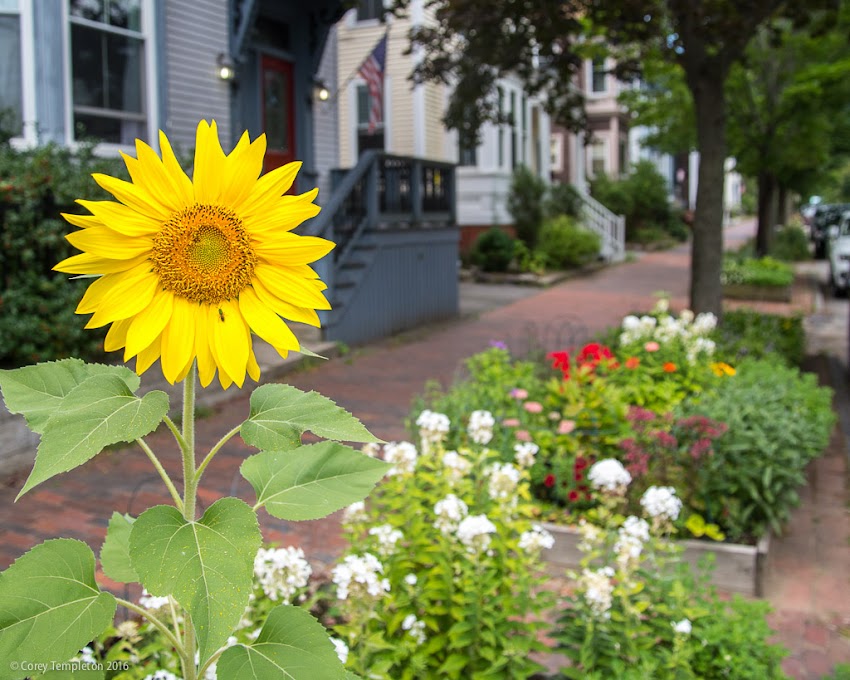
x=610 y=227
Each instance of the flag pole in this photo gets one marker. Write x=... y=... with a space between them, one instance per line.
x=356 y=69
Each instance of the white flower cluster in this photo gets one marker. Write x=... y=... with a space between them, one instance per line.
x=340 y=648
x=362 y=572
x=536 y=539
x=281 y=572
x=609 y=475
x=433 y=427
x=356 y=512
x=630 y=539
x=152 y=602
x=450 y=511
x=591 y=535
x=411 y=579
x=474 y=532
x=692 y=330
x=456 y=466
x=525 y=453
x=212 y=670
x=415 y=627
x=661 y=502
x=504 y=478
x=370 y=449
x=682 y=627
x=402 y=456
x=598 y=590
x=387 y=538
x=480 y=427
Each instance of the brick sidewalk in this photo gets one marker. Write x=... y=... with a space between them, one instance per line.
x=377 y=383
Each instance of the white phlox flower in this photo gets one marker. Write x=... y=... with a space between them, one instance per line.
x=536 y=539
x=415 y=627
x=504 y=478
x=526 y=451
x=682 y=627
x=609 y=475
x=152 y=602
x=449 y=511
x=340 y=648
x=598 y=590
x=356 y=512
x=480 y=426
x=281 y=572
x=433 y=427
x=402 y=456
x=387 y=538
x=661 y=502
x=630 y=539
x=411 y=579
x=456 y=466
x=474 y=532
x=361 y=574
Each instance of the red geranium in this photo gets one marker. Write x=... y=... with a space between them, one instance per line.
x=561 y=361
x=549 y=481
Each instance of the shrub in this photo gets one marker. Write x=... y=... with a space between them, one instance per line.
x=748 y=334
x=452 y=558
x=563 y=199
x=778 y=420
x=525 y=204
x=790 y=245
x=36 y=304
x=493 y=250
x=765 y=271
x=566 y=244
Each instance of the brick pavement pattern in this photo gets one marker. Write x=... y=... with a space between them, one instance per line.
x=808 y=583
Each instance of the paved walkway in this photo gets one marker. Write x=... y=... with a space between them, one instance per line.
x=809 y=577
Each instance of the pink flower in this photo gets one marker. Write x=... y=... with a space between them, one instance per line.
x=652 y=346
x=518 y=393
x=533 y=407
x=566 y=426
x=523 y=435
x=511 y=422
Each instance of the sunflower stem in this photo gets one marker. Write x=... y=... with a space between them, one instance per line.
x=178 y=436
x=214 y=450
x=162 y=473
x=190 y=491
x=141 y=611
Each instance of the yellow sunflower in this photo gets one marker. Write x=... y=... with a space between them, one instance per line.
x=188 y=268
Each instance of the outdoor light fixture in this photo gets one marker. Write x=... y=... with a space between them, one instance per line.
x=320 y=90
x=226 y=68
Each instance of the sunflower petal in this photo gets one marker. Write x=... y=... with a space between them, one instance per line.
x=121 y=218
x=184 y=192
x=284 y=309
x=82 y=221
x=231 y=340
x=244 y=165
x=110 y=244
x=178 y=339
x=129 y=293
x=289 y=287
x=117 y=335
x=269 y=188
x=288 y=249
x=264 y=322
x=209 y=160
x=206 y=361
x=132 y=196
x=149 y=323
x=253 y=367
x=84 y=263
x=145 y=358
x=283 y=215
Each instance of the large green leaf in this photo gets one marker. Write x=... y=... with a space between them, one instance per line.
x=50 y=605
x=311 y=481
x=37 y=391
x=99 y=411
x=115 y=553
x=280 y=414
x=292 y=645
x=207 y=565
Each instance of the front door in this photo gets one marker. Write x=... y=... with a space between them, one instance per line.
x=278 y=96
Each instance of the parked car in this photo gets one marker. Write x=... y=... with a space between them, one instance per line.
x=825 y=216
x=839 y=255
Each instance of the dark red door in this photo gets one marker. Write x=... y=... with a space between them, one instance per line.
x=278 y=97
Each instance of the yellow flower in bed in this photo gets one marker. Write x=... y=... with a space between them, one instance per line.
x=721 y=368
x=189 y=268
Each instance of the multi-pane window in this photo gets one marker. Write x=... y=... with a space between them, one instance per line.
x=598 y=76
x=370 y=9
x=501 y=109
x=524 y=141
x=11 y=97
x=108 y=70
x=365 y=140
x=598 y=158
x=513 y=131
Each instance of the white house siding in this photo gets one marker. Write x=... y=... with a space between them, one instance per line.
x=196 y=33
x=326 y=130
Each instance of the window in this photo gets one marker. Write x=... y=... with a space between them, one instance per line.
x=11 y=94
x=467 y=153
x=598 y=158
x=598 y=76
x=364 y=139
x=369 y=9
x=524 y=141
x=513 y=131
x=556 y=151
x=108 y=70
x=501 y=127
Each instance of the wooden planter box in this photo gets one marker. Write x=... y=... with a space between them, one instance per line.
x=737 y=568
x=742 y=291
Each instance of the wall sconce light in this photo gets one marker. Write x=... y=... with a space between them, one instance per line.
x=226 y=67
x=320 y=91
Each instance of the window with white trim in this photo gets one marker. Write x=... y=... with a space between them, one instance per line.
x=108 y=75
x=598 y=158
x=11 y=87
x=598 y=76
x=370 y=9
x=365 y=139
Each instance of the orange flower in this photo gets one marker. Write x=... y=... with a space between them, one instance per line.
x=632 y=362
x=669 y=367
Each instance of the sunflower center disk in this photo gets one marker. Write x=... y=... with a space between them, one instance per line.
x=203 y=254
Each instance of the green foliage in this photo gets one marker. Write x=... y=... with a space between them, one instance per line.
x=642 y=197
x=562 y=199
x=525 y=204
x=840 y=672
x=748 y=334
x=764 y=271
x=454 y=604
x=493 y=250
x=790 y=244
x=37 y=322
x=565 y=244
x=779 y=420
x=115 y=553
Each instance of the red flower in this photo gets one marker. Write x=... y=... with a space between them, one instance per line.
x=549 y=481
x=581 y=463
x=578 y=476
x=593 y=353
x=669 y=367
x=561 y=361
x=632 y=363
x=573 y=496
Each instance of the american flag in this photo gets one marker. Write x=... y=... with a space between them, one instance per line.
x=372 y=71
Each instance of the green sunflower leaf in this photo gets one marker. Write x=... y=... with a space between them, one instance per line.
x=292 y=645
x=50 y=605
x=115 y=553
x=100 y=411
x=36 y=392
x=207 y=565
x=311 y=481
x=280 y=414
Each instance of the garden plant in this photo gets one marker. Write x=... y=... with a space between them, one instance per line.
x=184 y=271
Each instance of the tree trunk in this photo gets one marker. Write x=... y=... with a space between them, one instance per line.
x=766 y=212
x=707 y=245
x=782 y=213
